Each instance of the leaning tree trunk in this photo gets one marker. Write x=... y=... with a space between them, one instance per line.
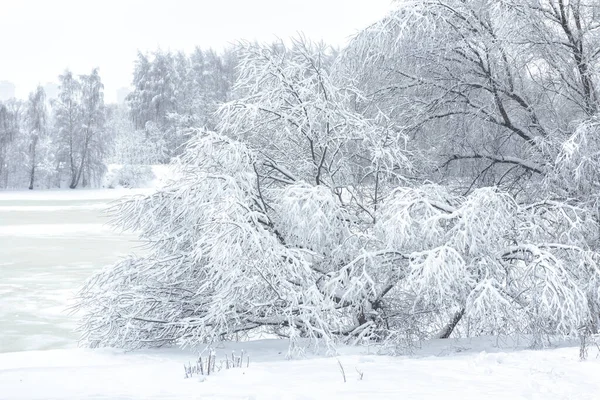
x=77 y=178
x=449 y=328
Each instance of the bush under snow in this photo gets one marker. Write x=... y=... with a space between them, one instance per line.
x=296 y=219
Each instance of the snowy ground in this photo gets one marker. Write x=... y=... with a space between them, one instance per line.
x=441 y=370
x=51 y=241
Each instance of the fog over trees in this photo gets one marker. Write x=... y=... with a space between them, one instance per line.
x=437 y=177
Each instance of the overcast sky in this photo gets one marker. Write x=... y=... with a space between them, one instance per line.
x=40 y=38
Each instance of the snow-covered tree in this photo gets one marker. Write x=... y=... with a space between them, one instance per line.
x=36 y=119
x=488 y=89
x=11 y=119
x=67 y=123
x=299 y=217
x=94 y=141
x=172 y=90
x=508 y=267
x=81 y=140
x=305 y=151
x=575 y=172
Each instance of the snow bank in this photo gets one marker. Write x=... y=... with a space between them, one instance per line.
x=162 y=175
x=87 y=206
x=151 y=176
x=159 y=374
x=49 y=230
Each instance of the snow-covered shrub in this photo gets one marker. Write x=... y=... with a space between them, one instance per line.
x=229 y=255
x=507 y=267
x=296 y=219
x=129 y=176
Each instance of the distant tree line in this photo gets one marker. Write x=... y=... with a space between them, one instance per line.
x=68 y=141
x=172 y=92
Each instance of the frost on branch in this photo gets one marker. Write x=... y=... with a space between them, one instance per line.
x=311 y=217
x=215 y=267
x=507 y=267
x=576 y=171
x=291 y=111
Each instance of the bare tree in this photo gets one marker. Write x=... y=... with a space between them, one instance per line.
x=10 y=135
x=67 y=122
x=36 y=116
x=490 y=88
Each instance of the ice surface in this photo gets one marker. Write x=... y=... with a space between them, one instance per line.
x=50 y=242
x=58 y=196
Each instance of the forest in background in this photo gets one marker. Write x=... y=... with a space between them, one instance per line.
x=68 y=141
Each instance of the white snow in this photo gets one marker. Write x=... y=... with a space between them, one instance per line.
x=440 y=370
x=162 y=175
x=53 y=208
x=79 y=197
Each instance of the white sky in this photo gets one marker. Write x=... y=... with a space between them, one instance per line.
x=40 y=38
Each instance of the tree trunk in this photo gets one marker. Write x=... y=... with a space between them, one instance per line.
x=72 y=165
x=449 y=328
x=33 y=162
x=74 y=181
x=77 y=177
x=32 y=177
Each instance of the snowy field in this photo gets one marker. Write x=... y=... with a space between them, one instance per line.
x=441 y=370
x=51 y=241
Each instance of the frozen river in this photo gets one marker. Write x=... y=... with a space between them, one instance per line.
x=50 y=242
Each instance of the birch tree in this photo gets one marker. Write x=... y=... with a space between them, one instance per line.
x=94 y=141
x=67 y=116
x=11 y=136
x=36 y=117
